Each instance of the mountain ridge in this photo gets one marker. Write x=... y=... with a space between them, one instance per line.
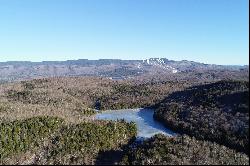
x=106 y=59
x=110 y=68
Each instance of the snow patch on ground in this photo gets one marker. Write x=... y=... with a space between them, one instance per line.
x=159 y=62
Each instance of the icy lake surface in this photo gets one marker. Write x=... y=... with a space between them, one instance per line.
x=146 y=125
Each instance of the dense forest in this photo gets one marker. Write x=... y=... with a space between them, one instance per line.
x=181 y=150
x=50 y=121
x=217 y=112
x=52 y=141
x=74 y=98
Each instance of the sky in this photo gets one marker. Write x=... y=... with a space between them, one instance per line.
x=207 y=31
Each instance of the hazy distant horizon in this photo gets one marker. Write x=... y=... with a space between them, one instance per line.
x=116 y=59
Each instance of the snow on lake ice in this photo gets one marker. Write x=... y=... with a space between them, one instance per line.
x=146 y=125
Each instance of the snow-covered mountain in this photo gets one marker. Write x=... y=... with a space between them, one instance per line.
x=111 y=68
x=159 y=62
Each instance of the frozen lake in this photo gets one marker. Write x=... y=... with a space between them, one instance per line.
x=146 y=125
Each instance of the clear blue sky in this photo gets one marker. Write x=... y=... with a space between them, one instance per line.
x=208 y=31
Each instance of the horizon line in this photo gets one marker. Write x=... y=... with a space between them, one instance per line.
x=119 y=59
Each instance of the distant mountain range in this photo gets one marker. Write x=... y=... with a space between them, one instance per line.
x=111 y=68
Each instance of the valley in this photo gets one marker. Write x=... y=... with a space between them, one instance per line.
x=81 y=119
x=124 y=82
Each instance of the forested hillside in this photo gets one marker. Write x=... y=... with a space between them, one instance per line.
x=49 y=140
x=181 y=150
x=50 y=121
x=217 y=112
x=74 y=98
x=121 y=69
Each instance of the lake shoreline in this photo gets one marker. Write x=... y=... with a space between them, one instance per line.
x=147 y=126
